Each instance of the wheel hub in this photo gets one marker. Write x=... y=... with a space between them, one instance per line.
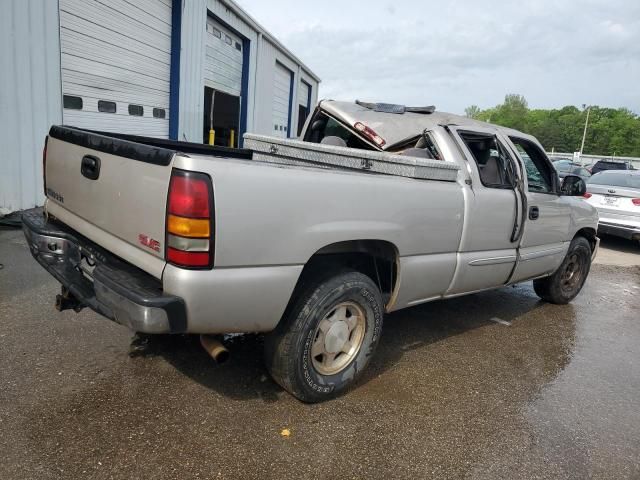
x=338 y=338
x=572 y=274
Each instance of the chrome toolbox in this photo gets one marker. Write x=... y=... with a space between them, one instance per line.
x=295 y=152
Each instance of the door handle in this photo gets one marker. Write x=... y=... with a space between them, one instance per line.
x=90 y=167
x=534 y=213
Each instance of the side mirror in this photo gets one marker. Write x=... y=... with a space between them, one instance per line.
x=573 y=186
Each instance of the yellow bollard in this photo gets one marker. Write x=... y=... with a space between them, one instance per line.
x=232 y=138
x=212 y=137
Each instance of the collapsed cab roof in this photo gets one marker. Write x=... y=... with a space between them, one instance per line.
x=396 y=124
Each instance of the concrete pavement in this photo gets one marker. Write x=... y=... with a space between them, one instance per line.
x=494 y=385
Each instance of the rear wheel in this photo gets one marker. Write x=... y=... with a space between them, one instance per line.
x=566 y=282
x=326 y=337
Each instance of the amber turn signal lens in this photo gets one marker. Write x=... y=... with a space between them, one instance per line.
x=188 y=227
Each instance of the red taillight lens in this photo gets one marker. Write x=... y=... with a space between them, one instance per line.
x=44 y=165
x=189 y=196
x=189 y=220
x=187 y=259
x=636 y=201
x=587 y=195
x=369 y=133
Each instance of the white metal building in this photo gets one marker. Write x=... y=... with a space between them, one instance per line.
x=165 y=68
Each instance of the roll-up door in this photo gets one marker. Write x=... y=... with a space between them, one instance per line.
x=281 y=100
x=223 y=62
x=115 y=60
x=304 y=99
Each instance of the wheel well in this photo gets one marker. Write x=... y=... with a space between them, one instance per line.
x=589 y=234
x=377 y=259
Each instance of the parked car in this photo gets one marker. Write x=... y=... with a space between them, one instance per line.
x=380 y=208
x=602 y=165
x=567 y=167
x=616 y=196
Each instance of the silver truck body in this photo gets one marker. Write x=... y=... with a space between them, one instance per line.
x=448 y=238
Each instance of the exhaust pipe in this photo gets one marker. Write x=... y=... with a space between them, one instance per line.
x=214 y=348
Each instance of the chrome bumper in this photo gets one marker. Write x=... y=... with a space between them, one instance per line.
x=92 y=277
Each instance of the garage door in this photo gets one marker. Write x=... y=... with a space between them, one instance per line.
x=223 y=61
x=115 y=59
x=281 y=104
x=304 y=91
x=303 y=95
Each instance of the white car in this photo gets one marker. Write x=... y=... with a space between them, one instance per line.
x=616 y=195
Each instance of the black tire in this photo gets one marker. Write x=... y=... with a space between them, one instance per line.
x=563 y=285
x=288 y=348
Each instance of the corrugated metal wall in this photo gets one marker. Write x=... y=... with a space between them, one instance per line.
x=30 y=99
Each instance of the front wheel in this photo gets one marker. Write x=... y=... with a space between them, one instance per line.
x=566 y=282
x=326 y=338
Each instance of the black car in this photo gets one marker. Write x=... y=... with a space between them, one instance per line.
x=602 y=165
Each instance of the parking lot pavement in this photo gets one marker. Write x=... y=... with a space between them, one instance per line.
x=618 y=251
x=494 y=385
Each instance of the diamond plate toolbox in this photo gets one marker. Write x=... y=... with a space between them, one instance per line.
x=295 y=152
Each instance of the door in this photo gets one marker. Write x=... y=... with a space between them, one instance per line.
x=488 y=249
x=282 y=90
x=223 y=66
x=115 y=65
x=545 y=238
x=223 y=61
x=304 y=104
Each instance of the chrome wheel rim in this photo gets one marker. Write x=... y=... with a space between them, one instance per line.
x=572 y=273
x=338 y=338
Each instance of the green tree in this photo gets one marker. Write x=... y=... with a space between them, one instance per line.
x=611 y=131
x=472 y=111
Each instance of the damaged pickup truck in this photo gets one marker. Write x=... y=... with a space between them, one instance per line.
x=378 y=207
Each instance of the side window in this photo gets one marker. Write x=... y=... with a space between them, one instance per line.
x=105 y=106
x=494 y=164
x=136 y=110
x=539 y=175
x=72 y=102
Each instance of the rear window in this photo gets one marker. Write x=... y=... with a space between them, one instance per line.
x=616 y=180
x=611 y=166
x=323 y=126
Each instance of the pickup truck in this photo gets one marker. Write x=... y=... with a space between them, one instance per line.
x=295 y=239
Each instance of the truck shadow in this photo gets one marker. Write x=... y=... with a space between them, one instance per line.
x=244 y=376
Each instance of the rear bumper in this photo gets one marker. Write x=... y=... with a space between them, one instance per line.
x=625 y=231
x=112 y=287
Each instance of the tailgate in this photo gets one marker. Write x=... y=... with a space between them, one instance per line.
x=113 y=191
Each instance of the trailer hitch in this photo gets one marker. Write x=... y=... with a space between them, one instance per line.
x=66 y=301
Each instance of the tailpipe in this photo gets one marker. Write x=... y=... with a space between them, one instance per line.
x=214 y=348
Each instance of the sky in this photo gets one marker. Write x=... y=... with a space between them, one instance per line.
x=453 y=54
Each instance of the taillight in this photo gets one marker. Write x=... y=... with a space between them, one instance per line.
x=190 y=220
x=44 y=165
x=369 y=133
x=636 y=201
x=587 y=195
